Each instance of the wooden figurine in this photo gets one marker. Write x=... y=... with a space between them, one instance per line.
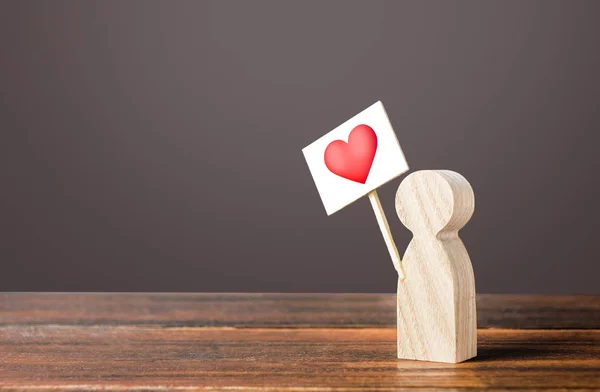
x=436 y=298
x=436 y=287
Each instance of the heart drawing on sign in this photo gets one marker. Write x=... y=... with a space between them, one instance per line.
x=353 y=160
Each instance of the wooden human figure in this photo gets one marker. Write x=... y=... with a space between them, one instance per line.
x=436 y=300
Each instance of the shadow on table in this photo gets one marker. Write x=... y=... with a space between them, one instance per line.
x=530 y=352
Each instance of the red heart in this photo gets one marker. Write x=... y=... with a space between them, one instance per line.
x=353 y=160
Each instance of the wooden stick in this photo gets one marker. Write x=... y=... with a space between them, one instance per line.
x=387 y=234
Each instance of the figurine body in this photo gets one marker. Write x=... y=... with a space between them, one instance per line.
x=436 y=301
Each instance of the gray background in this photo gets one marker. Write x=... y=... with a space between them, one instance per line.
x=156 y=146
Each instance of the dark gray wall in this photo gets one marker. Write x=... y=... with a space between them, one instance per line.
x=156 y=146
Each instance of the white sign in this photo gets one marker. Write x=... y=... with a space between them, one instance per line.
x=355 y=158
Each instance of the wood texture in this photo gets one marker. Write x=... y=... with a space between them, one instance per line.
x=281 y=310
x=162 y=342
x=436 y=300
x=386 y=232
x=128 y=358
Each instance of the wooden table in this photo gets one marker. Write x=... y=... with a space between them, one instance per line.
x=301 y=342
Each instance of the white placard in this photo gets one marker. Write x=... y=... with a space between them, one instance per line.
x=352 y=158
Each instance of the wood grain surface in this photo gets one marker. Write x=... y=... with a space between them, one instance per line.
x=281 y=310
x=161 y=342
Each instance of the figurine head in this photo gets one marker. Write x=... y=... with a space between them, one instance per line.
x=435 y=202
